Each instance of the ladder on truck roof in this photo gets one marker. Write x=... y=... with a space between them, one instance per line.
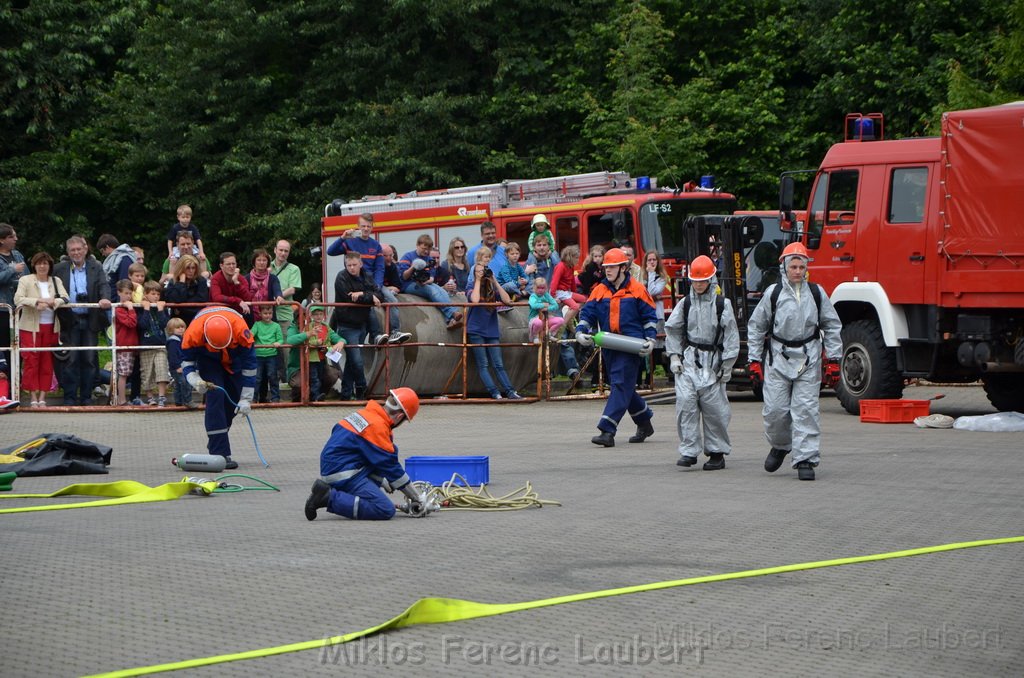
x=510 y=192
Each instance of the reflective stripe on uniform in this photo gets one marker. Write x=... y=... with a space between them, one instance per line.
x=341 y=475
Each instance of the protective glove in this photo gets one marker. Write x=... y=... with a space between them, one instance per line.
x=756 y=374
x=196 y=382
x=831 y=374
x=244 y=407
x=585 y=340
x=675 y=363
x=419 y=264
x=647 y=348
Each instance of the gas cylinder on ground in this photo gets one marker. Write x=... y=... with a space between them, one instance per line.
x=212 y=463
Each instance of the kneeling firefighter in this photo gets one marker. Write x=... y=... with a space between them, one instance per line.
x=360 y=457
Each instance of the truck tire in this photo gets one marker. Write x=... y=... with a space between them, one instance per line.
x=869 y=367
x=1005 y=391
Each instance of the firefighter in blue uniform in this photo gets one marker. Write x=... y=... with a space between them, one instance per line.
x=360 y=461
x=621 y=305
x=217 y=348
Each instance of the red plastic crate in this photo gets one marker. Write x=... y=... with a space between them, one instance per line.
x=893 y=411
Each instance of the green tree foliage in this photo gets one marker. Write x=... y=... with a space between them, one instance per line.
x=258 y=113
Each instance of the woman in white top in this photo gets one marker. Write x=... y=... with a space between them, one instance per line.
x=39 y=295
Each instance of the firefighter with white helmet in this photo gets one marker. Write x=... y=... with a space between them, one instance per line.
x=360 y=461
x=702 y=342
x=786 y=334
x=621 y=305
x=217 y=348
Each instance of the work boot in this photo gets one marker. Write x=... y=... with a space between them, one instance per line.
x=715 y=463
x=230 y=464
x=643 y=432
x=804 y=470
x=606 y=439
x=774 y=459
x=686 y=461
x=318 y=496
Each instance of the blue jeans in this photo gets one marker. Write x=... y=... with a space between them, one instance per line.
x=353 y=377
x=182 y=390
x=434 y=293
x=266 y=369
x=488 y=356
x=393 y=321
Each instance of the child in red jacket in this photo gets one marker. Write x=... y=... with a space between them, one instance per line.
x=127 y=334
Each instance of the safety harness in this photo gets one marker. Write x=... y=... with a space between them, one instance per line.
x=792 y=343
x=716 y=346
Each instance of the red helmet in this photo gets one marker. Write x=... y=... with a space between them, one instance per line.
x=701 y=268
x=217 y=332
x=615 y=257
x=795 y=249
x=407 y=400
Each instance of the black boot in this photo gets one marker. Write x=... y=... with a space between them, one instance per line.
x=804 y=470
x=643 y=432
x=774 y=459
x=606 y=439
x=715 y=463
x=686 y=461
x=230 y=464
x=318 y=496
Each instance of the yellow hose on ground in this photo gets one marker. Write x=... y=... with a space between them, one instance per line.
x=442 y=610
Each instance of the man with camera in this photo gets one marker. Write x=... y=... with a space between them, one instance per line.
x=417 y=269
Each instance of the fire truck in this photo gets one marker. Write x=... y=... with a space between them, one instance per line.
x=605 y=208
x=920 y=245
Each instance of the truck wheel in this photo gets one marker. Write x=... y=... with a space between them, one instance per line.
x=869 y=367
x=1005 y=391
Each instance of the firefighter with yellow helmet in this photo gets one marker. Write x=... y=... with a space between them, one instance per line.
x=217 y=348
x=702 y=342
x=787 y=334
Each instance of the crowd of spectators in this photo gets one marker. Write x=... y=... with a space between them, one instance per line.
x=69 y=305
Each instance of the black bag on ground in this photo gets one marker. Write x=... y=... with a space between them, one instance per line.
x=59 y=455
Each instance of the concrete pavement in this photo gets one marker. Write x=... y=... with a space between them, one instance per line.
x=95 y=590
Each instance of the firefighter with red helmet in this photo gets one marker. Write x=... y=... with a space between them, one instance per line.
x=703 y=342
x=786 y=334
x=360 y=461
x=217 y=348
x=620 y=304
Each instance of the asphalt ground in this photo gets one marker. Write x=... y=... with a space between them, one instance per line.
x=102 y=589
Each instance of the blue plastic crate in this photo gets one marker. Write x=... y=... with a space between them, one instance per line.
x=439 y=470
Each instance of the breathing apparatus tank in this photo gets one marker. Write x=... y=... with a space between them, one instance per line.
x=212 y=463
x=619 y=342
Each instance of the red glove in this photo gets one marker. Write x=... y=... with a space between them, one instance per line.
x=756 y=374
x=832 y=373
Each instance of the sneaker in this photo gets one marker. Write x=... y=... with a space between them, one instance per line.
x=504 y=309
x=161 y=401
x=152 y=401
x=8 y=404
x=137 y=402
x=381 y=339
x=536 y=340
x=230 y=464
x=573 y=373
x=496 y=396
x=512 y=395
x=686 y=461
x=716 y=462
x=319 y=495
x=455 y=322
x=398 y=337
x=804 y=470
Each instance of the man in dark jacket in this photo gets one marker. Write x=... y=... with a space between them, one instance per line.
x=353 y=286
x=86 y=283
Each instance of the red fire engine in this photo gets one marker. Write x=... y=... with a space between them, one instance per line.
x=606 y=208
x=920 y=244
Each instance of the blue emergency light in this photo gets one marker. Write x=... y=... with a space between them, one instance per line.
x=643 y=183
x=707 y=181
